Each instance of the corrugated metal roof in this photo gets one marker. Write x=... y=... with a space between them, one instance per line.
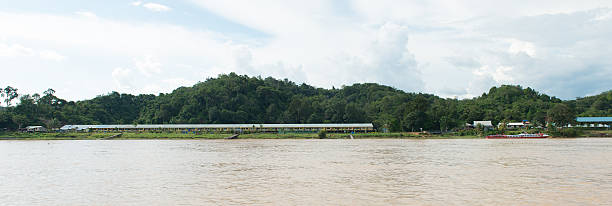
x=32 y=127
x=594 y=119
x=211 y=126
x=483 y=123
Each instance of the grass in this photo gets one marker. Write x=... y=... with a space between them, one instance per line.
x=150 y=135
x=596 y=133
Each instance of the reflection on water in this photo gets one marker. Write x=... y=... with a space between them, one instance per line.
x=307 y=172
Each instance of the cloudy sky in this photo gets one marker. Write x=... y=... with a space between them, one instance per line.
x=449 y=48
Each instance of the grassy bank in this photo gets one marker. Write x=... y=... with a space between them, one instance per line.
x=596 y=133
x=93 y=135
x=147 y=135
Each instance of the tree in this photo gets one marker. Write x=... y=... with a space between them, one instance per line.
x=322 y=134
x=6 y=119
x=20 y=120
x=52 y=123
x=503 y=126
x=353 y=113
x=481 y=129
x=9 y=95
x=315 y=118
x=36 y=97
x=561 y=115
x=49 y=92
x=236 y=98
x=445 y=123
x=416 y=114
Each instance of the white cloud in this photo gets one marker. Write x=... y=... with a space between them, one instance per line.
x=518 y=46
x=174 y=83
x=521 y=41
x=14 y=50
x=121 y=79
x=242 y=59
x=51 y=55
x=603 y=15
x=147 y=65
x=242 y=62
x=156 y=7
x=449 y=48
x=107 y=36
x=166 y=86
x=150 y=89
x=555 y=53
x=385 y=60
x=310 y=36
x=17 y=50
x=86 y=14
x=132 y=81
x=98 y=46
x=500 y=74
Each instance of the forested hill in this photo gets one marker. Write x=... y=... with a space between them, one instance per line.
x=598 y=105
x=236 y=98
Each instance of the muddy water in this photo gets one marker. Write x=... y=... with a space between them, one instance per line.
x=307 y=172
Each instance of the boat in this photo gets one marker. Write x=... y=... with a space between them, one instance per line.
x=518 y=136
x=233 y=136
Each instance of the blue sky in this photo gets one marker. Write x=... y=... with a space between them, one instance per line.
x=449 y=48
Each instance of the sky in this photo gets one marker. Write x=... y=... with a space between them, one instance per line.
x=454 y=49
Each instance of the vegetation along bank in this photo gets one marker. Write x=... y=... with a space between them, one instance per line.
x=241 y=99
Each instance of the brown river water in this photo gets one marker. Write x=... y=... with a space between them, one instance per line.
x=307 y=172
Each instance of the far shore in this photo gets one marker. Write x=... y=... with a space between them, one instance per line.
x=189 y=136
x=150 y=135
x=179 y=136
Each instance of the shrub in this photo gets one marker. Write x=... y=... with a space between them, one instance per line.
x=567 y=132
x=322 y=134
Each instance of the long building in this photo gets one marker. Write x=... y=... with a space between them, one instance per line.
x=602 y=122
x=222 y=128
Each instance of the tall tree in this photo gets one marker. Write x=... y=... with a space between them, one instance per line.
x=9 y=95
x=561 y=115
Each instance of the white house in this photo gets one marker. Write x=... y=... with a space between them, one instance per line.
x=36 y=129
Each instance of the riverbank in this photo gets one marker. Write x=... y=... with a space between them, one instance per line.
x=95 y=136
x=147 y=135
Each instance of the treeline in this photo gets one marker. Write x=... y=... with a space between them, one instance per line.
x=236 y=98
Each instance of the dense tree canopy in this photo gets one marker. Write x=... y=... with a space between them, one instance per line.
x=236 y=98
x=561 y=114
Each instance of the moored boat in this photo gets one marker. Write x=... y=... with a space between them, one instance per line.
x=518 y=136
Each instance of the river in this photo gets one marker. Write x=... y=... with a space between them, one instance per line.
x=307 y=172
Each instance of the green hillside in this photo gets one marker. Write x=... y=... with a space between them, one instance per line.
x=236 y=98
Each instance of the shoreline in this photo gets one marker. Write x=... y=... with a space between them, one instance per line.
x=217 y=136
x=261 y=138
x=175 y=136
x=247 y=138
